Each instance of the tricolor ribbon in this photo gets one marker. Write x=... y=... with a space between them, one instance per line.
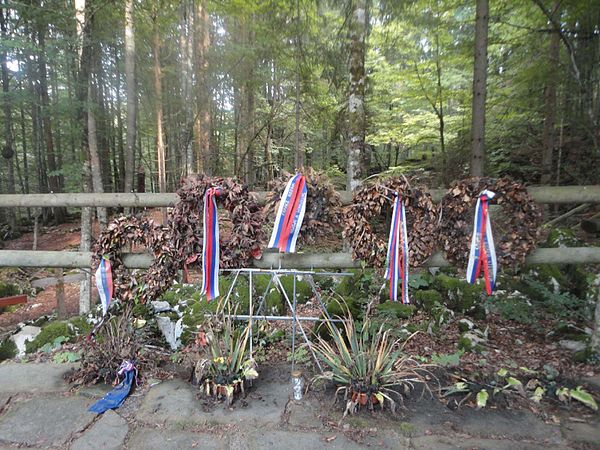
x=483 y=253
x=210 y=245
x=397 y=256
x=104 y=283
x=289 y=215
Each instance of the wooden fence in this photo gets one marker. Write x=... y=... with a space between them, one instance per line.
x=69 y=259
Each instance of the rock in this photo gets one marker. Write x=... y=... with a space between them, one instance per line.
x=107 y=433
x=34 y=378
x=156 y=439
x=27 y=333
x=574 y=346
x=171 y=330
x=45 y=422
x=472 y=341
x=160 y=306
x=465 y=325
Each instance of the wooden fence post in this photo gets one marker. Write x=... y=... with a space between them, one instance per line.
x=60 y=294
x=85 y=286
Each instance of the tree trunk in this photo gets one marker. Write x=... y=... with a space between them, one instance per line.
x=186 y=23
x=358 y=155
x=550 y=100
x=8 y=149
x=202 y=120
x=96 y=166
x=131 y=96
x=53 y=176
x=299 y=153
x=160 y=144
x=120 y=144
x=479 y=89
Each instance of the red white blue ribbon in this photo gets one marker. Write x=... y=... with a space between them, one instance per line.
x=210 y=245
x=397 y=256
x=104 y=283
x=290 y=215
x=483 y=253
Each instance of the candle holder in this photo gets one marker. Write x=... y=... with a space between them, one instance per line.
x=297 y=385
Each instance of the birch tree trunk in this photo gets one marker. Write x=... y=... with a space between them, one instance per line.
x=131 y=96
x=479 y=89
x=358 y=157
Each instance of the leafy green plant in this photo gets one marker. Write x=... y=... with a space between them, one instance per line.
x=299 y=356
x=447 y=360
x=581 y=395
x=66 y=357
x=224 y=363
x=368 y=365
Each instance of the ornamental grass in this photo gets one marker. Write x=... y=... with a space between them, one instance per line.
x=369 y=366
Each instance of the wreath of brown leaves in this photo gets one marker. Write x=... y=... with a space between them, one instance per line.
x=241 y=237
x=144 y=232
x=515 y=231
x=376 y=199
x=323 y=205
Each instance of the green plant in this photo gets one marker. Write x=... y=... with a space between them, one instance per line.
x=447 y=360
x=64 y=357
x=368 y=365
x=49 y=335
x=224 y=364
x=8 y=349
x=300 y=356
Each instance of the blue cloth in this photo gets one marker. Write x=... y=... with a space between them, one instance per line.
x=116 y=397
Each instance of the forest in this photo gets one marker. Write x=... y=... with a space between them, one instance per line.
x=107 y=96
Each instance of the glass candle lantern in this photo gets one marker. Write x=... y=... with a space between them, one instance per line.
x=297 y=385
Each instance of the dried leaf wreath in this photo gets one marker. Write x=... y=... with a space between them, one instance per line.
x=144 y=232
x=239 y=245
x=374 y=201
x=323 y=204
x=515 y=229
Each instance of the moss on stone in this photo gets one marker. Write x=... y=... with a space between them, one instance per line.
x=8 y=349
x=457 y=294
x=426 y=300
x=48 y=334
x=303 y=290
x=396 y=310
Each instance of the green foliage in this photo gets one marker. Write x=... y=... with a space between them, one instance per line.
x=447 y=360
x=300 y=356
x=66 y=357
x=458 y=295
x=7 y=289
x=367 y=364
x=396 y=310
x=49 y=335
x=8 y=349
x=426 y=300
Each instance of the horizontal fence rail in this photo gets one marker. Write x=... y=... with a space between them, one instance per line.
x=82 y=260
x=540 y=194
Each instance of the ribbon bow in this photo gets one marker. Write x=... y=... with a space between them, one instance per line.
x=483 y=253
x=397 y=256
x=104 y=283
x=289 y=215
x=210 y=245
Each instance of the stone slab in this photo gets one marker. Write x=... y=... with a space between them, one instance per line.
x=44 y=422
x=170 y=402
x=33 y=377
x=451 y=442
x=304 y=414
x=108 y=433
x=583 y=433
x=290 y=440
x=155 y=439
x=508 y=424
